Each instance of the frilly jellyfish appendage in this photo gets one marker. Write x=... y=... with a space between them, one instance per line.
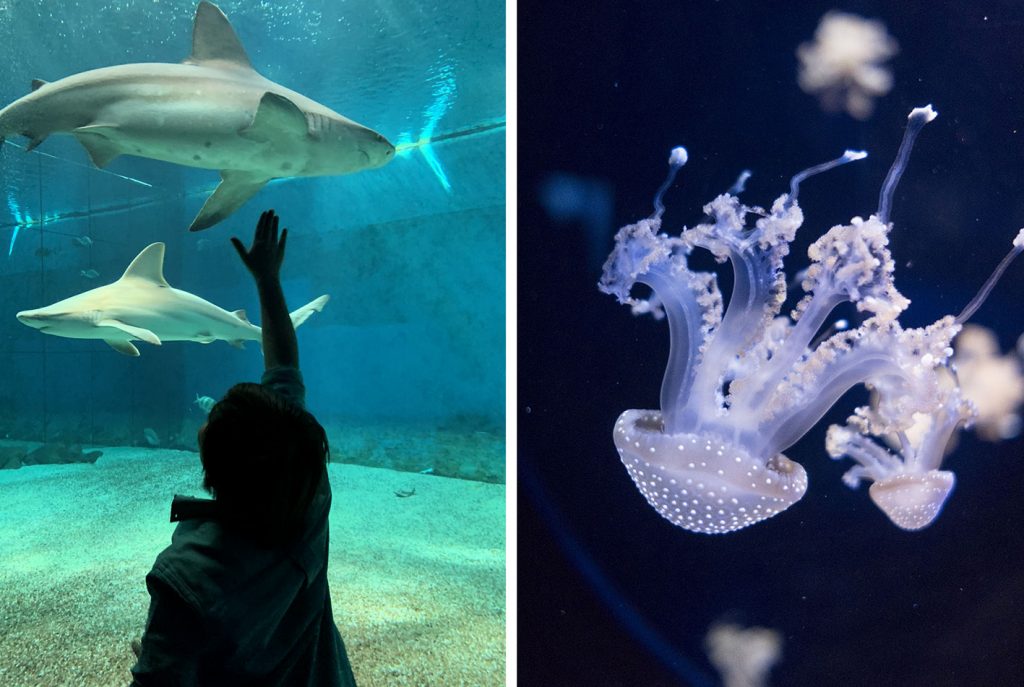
x=743 y=384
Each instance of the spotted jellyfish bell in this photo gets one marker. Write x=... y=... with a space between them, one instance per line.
x=912 y=502
x=700 y=483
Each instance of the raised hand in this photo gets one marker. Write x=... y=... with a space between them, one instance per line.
x=264 y=257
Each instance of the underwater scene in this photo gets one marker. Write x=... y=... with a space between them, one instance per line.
x=771 y=364
x=376 y=131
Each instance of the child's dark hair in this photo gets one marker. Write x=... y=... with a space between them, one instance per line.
x=263 y=458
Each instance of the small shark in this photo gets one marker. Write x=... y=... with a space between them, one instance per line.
x=142 y=306
x=212 y=111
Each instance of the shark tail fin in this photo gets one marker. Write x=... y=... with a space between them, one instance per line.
x=302 y=314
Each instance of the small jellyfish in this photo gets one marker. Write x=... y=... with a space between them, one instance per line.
x=993 y=382
x=743 y=656
x=844 y=65
x=907 y=486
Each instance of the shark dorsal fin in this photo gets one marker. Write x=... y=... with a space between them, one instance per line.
x=38 y=83
x=148 y=265
x=240 y=314
x=213 y=39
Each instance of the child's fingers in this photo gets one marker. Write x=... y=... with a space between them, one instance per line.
x=240 y=247
x=264 y=226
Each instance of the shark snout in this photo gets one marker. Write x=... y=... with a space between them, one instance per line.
x=377 y=149
x=32 y=318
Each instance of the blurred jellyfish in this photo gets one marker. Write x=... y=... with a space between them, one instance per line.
x=993 y=382
x=570 y=198
x=844 y=65
x=743 y=656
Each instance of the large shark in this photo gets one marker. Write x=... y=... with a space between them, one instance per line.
x=212 y=111
x=142 y=306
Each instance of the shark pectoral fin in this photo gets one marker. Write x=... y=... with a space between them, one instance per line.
x=34 y=143
x=123 y=347
x=38 y=83
x=95 y=138
x=137 y=332
x=302 y=314
x=276 y=115
x=235 y=188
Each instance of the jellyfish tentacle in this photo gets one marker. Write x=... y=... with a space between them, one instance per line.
x=916 y=120
x=800 y=177
x=997 y=273
x=676 y=159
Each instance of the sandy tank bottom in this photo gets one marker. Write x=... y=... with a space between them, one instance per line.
x=417 y=582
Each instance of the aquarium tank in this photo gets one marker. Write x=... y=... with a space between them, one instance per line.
x=401 y=225
x=770 y=354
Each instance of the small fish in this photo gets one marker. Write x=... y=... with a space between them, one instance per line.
x=83 y=241
x=89 y=273
x=201 y=244
x=151 y=436
x=43 y=252
x=204 y=402
x=405 y=493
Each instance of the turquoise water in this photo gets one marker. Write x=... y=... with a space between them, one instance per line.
x=412 y=254
x=404 y=366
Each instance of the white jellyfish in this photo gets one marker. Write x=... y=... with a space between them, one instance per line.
x=993 y=382
x=844 y=65
x=744 y=384
x=743 y=656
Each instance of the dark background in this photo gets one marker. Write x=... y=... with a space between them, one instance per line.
x=610 y=593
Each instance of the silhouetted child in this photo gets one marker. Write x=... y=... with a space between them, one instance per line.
x=240 y=597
